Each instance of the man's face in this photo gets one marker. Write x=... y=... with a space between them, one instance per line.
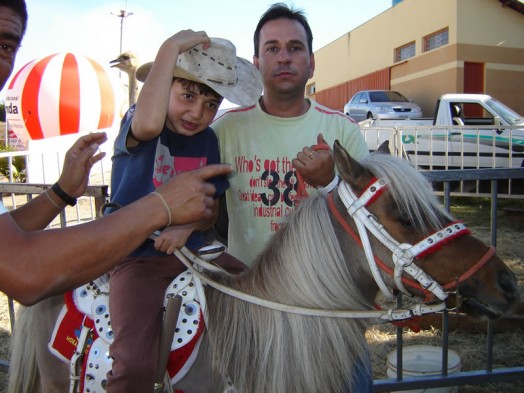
x=284 y=60
x=10 y=38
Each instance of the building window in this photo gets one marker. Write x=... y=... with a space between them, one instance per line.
x=405 y=52
x=436 y=40
x=310 y=89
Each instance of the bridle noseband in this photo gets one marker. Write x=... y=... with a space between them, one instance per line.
x=403 y=254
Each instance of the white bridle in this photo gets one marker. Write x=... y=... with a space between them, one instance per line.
x=403 y=253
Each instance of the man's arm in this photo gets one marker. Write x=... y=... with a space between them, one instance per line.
x=34 y=265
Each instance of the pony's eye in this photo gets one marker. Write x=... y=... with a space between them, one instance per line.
x=406 y=222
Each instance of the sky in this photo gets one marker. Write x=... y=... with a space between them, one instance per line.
x=93 y=27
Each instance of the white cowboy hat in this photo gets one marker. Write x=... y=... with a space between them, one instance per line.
x=218 y=67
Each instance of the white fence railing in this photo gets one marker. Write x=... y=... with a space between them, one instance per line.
x=460 y=147
x=465 y=147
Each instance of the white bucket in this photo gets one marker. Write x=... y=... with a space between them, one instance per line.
x=424 y=360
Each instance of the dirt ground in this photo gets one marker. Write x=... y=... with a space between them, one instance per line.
x=471 y=347
x=509 y=346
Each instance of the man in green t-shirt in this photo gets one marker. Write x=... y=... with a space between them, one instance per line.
x=262 y=141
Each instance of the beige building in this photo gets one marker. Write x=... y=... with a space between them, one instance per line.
x=425 y=48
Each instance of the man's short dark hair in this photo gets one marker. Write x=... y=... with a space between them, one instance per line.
x=19 y=7
x=281 y=10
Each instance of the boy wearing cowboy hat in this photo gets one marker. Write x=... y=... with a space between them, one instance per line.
x=165 y=133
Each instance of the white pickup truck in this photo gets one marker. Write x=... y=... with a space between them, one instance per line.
x=468 y=131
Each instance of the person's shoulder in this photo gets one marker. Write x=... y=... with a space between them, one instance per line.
x=128 y=116
x=319 y=108
x=232 y=118
x=234 y=113
x=207 y=135
x=333 y=114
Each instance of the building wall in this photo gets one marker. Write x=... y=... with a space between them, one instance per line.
x=487 y=22
x=480 y=31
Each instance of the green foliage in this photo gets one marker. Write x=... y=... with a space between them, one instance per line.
x=18 y=165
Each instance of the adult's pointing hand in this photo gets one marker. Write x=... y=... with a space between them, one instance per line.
x=189 y=196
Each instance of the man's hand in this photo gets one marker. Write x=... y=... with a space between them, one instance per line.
x=78 y=162
x=189 y=196
x=316 y=166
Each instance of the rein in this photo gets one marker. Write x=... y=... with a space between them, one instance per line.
x=189 y=260
x=301 y=184
x=403 y=255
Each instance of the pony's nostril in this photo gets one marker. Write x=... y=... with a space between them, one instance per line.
x=508 y=284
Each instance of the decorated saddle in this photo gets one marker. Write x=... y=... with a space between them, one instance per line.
x=83 y=334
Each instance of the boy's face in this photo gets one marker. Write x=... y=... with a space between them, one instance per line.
x=190 y=111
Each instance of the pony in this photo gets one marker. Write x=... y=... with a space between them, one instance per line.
x=295 y=321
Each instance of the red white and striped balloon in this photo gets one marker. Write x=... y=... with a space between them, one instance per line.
x=60 y=94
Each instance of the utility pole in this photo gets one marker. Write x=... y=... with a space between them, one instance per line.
x=122 y=15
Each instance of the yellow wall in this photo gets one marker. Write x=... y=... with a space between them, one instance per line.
x=370 y=47
x=487 y=22
x=479 y=31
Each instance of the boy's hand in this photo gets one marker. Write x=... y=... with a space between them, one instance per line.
x=173 y=237
x=187 y=39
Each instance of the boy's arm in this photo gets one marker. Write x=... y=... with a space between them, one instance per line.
x=153 y=101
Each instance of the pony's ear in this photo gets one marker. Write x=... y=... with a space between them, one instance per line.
x=384 y=148
x=350 y=169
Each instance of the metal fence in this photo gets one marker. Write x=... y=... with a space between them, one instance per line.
x=489 y=374
x=19 y=193
x=97 y=195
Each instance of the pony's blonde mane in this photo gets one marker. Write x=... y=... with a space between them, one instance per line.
x=410 y=190
x=303 y=265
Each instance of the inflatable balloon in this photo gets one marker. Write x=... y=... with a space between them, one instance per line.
x=60 y=94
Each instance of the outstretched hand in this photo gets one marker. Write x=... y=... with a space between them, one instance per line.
x=78 y=162
x=316 y=163
x=189 y=196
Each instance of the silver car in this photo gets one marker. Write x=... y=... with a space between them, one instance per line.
x=381 y=104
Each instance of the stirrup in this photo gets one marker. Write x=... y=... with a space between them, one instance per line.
x=174 y=303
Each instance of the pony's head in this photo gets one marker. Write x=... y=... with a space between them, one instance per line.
x=412 y=233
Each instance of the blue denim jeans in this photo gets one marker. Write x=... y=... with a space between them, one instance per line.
x=363 y=382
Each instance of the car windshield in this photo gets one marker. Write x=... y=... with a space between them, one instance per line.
x=386 y=96
x=509 y=115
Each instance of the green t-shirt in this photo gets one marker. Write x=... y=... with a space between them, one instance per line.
x=261 y=147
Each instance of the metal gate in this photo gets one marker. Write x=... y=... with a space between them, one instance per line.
x=489 y=374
